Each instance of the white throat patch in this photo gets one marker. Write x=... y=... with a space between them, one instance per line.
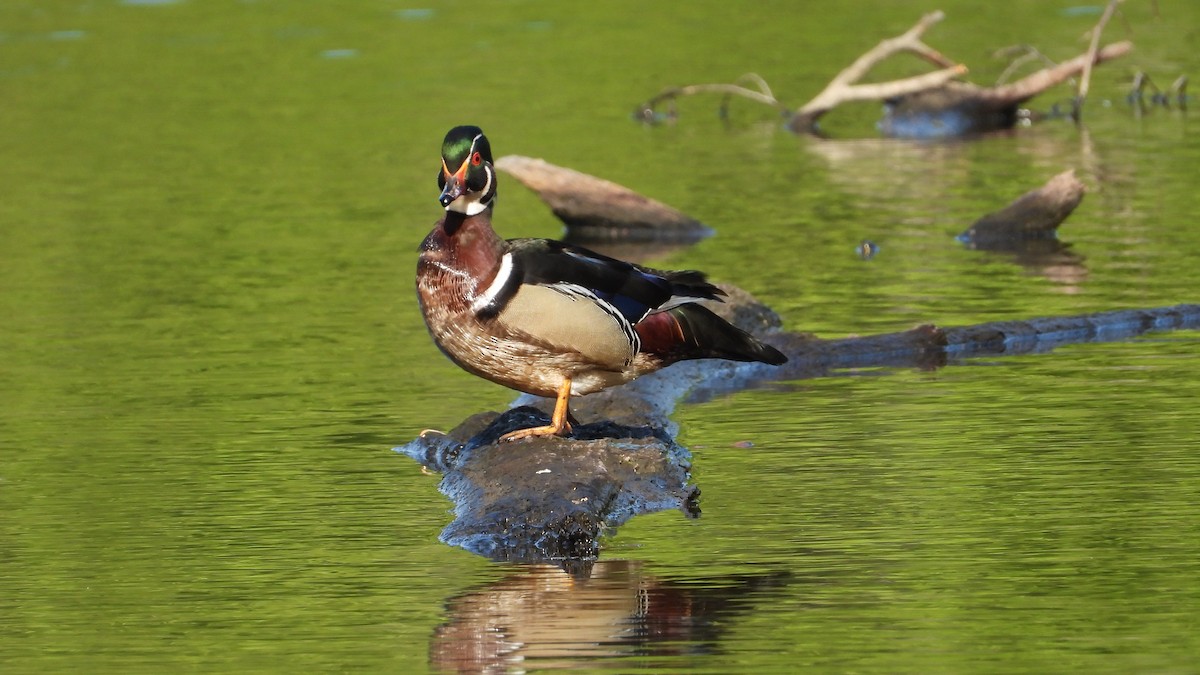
x=468 y=204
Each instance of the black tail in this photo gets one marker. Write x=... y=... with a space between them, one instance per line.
x=697 y=333
x=692 y=284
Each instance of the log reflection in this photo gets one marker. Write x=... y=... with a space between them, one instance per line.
x=1049 y=258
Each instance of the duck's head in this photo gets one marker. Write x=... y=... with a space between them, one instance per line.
x=467 y=178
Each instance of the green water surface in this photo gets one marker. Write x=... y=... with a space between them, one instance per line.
x=209 y=344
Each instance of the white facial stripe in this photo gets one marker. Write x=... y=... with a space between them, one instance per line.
x=489 y=296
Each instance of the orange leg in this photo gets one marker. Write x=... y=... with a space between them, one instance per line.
x=558 y=422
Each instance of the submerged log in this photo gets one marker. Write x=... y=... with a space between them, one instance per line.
x=596 y=210
x=552 y=499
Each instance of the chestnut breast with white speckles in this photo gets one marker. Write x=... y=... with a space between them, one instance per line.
x=535 y=337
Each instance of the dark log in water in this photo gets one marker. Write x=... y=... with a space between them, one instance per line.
x=551 y=499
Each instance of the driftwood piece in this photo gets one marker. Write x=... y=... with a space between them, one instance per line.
x=931 y=105
x=1035 y=214
x=596 y=210
x=551 y=499
x=1027 y=230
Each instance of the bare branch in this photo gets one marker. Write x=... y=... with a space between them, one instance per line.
x=1179 y=90
x=645 y=111
x=1093 y=48
x=1042 y=80
x=1024 y=54
x=841 y=89
x=758 y=80
x=833 y=97
x=909 y=41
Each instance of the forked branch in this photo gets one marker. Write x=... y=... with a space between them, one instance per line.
x=931 y=94
x=842 y=88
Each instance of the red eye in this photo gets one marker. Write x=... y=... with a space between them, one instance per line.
x=476 y=159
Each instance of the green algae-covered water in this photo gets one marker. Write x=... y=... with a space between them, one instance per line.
x=209 y=344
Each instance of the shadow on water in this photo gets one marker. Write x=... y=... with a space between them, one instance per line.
x=542 y=616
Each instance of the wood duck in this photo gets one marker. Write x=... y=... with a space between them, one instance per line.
x=548 y=318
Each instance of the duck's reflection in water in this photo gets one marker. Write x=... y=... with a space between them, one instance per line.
x=545 y=617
